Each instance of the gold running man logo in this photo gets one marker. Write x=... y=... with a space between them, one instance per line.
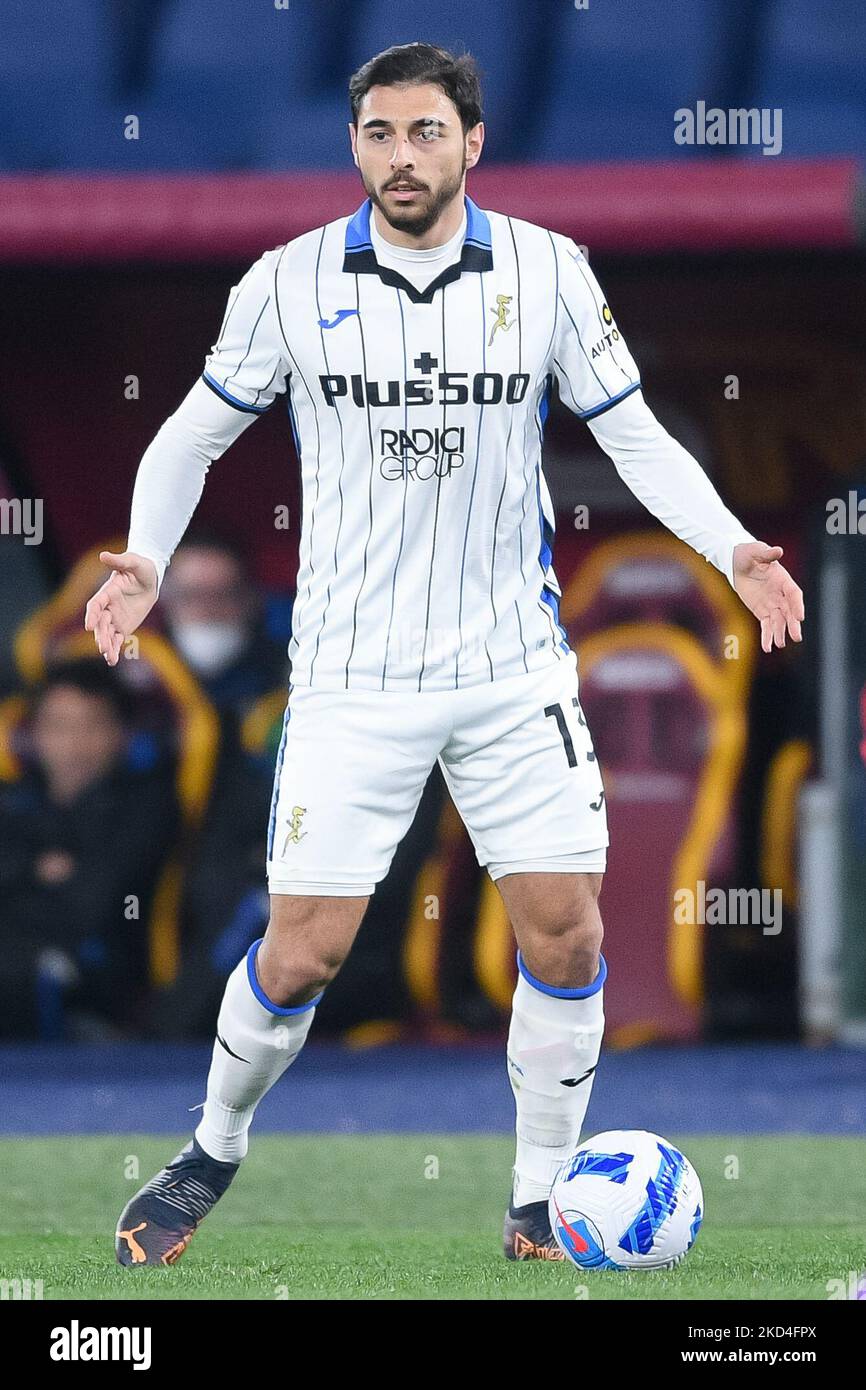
x=501 y=311
x=295 y=833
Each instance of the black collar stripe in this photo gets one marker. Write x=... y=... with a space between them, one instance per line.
x=475 y=257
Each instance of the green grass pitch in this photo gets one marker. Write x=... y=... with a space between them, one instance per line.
x=363 y=1217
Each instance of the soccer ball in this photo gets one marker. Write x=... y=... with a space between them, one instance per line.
x=626 y=1199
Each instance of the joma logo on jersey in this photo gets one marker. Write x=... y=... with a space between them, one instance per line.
x=445 y=388
x=422 y=454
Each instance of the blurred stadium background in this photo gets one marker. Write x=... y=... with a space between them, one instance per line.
x=150 y=150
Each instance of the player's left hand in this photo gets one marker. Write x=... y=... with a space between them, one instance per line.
x=769 y=592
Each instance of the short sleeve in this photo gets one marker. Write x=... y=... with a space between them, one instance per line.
x=247 y=365
x=592 y=364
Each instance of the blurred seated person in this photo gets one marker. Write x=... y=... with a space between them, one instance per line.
x=83 y=837
x=213 y=615
x=224 y=864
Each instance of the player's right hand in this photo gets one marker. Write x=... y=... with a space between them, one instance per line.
x=123 y=602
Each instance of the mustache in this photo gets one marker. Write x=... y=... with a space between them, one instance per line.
x=407 y=182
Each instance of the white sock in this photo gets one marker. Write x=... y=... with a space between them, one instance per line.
x=554 y=1037
x=266 y=1040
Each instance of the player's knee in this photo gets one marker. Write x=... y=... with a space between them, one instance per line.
x=572 y=918
x=298 y=981
x=569 y=957
x=292 y=973
x=565 y=940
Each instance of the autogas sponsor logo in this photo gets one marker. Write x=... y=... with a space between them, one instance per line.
x=607 y=339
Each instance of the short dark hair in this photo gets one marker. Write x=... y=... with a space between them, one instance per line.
x=202 y=536
x=89 y=676
x=409 y=64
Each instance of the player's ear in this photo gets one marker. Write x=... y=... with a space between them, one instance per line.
x=353 y=141
x=474 y=144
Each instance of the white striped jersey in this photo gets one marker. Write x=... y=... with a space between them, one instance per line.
x=427 y=529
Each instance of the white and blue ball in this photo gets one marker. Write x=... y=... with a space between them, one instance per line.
x=626 y=1199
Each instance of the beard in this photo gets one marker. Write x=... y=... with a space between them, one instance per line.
x=417 y=220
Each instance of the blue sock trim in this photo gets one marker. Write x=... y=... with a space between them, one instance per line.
x=260 y=993
x=583 y=993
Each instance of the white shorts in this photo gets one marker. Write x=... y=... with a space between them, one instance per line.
x=516 y=755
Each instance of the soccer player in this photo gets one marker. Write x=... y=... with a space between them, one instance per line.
x=417 y=341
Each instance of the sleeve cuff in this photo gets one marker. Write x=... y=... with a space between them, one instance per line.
x=227 y=396
x=728 y=553
x=147 y=553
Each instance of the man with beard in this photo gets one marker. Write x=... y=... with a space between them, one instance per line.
x=418 y=341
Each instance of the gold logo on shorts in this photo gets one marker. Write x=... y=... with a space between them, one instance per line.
x=295 y=832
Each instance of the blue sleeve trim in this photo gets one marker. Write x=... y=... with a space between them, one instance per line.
x=260 y=993
x=556 y=993
x=224 y=395
x=614 y=400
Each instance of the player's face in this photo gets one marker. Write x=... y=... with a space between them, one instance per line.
x=412 y=153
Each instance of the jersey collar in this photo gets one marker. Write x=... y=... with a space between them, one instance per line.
x=360 y=258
